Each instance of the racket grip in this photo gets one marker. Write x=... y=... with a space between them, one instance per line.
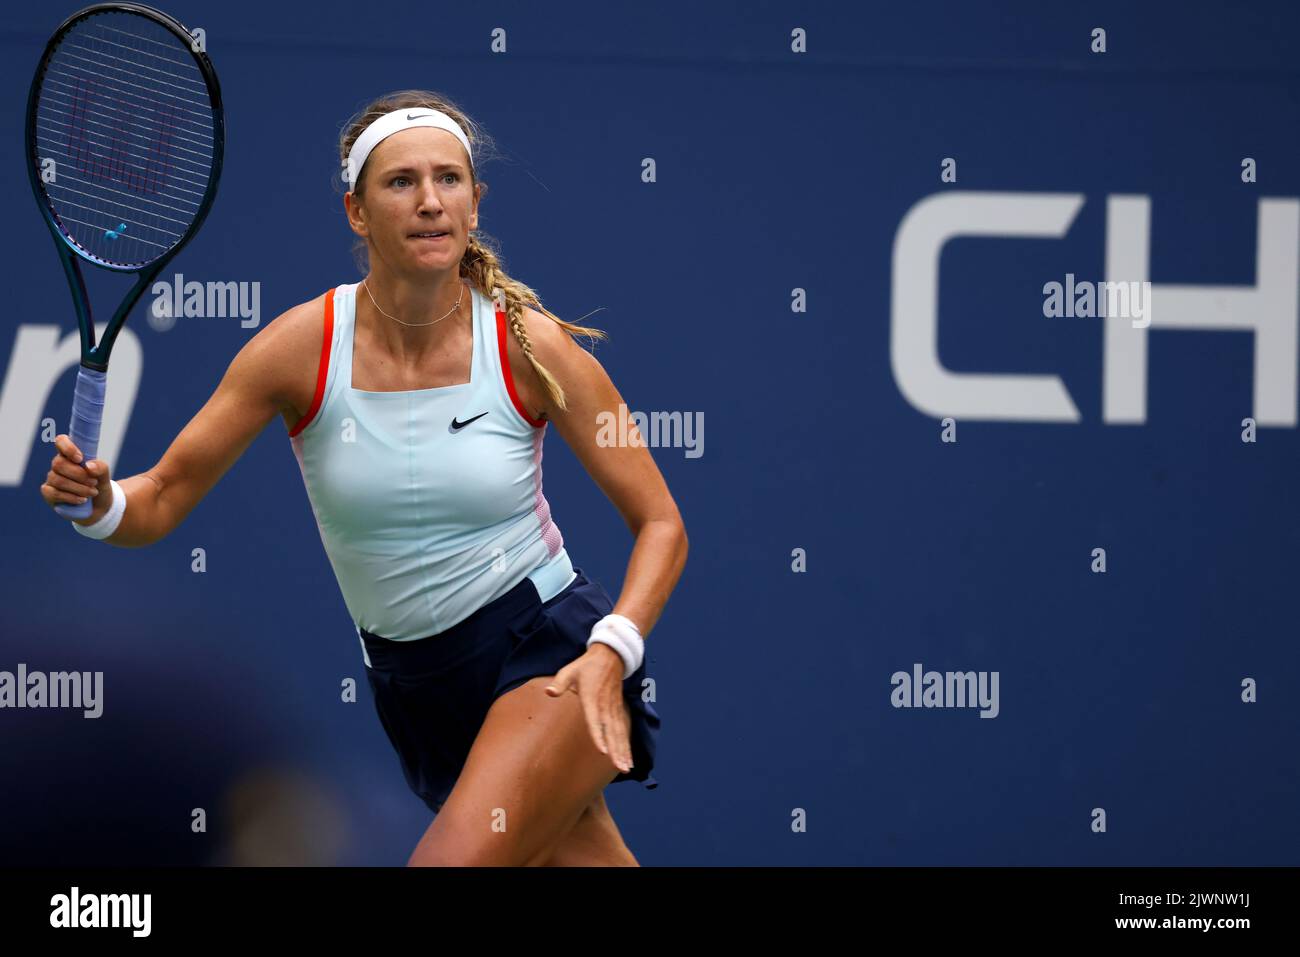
x=87 y=414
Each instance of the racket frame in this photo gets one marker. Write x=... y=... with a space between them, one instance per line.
x=89 y=392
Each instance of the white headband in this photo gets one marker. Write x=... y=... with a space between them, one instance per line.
x=394 y=122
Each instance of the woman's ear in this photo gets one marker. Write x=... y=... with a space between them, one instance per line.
x=479 y=190
x=355 y=213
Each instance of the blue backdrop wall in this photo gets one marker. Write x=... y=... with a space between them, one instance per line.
x=853 y=213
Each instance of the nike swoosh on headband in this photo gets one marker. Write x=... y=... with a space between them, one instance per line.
x=457 y=426
x=416 y=116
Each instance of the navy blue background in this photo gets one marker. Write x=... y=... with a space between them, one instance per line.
x=775 y=171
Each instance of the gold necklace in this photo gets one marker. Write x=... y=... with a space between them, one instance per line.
x=395 y=319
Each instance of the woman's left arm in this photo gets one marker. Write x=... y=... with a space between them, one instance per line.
x=627 y=473
x=628 y=476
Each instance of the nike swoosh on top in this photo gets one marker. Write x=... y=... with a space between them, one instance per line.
x=417 y=115
x=457 y=426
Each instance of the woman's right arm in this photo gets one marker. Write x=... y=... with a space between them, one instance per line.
x=261 y=382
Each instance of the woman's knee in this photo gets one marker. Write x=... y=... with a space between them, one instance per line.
x=465 y=835
x=594 y=842
x=447 y=852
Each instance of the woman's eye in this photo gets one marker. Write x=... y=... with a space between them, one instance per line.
x=405 y=180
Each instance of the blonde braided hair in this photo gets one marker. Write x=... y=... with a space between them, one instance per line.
x=482 y=264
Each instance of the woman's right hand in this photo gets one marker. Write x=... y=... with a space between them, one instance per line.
x=71 y=481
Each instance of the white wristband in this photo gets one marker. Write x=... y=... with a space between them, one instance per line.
x=109 y=521
x=623 y=636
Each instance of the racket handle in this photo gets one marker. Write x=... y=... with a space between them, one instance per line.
x=87 y=414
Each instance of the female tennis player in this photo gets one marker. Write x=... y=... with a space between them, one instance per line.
x=416 y=402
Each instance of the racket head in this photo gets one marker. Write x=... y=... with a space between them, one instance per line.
x=131 y=115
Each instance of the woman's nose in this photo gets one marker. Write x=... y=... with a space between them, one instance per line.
x=429 y=197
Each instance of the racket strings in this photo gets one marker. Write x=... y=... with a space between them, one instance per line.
x=152 y=87
x=77 y=113
x=186 y=82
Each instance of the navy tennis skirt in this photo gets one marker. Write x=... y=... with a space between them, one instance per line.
x=433 y=693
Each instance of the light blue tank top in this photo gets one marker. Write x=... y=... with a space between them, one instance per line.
x=429 y=502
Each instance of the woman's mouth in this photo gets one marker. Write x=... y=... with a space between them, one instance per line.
x=432 y=237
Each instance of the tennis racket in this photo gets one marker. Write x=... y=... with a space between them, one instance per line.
x=125 y=136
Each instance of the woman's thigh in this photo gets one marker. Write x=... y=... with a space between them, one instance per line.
x=531 y=773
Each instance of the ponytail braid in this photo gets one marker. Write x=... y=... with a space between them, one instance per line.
x=482 y=267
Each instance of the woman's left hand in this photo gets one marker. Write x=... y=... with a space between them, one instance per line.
x=597 y=679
